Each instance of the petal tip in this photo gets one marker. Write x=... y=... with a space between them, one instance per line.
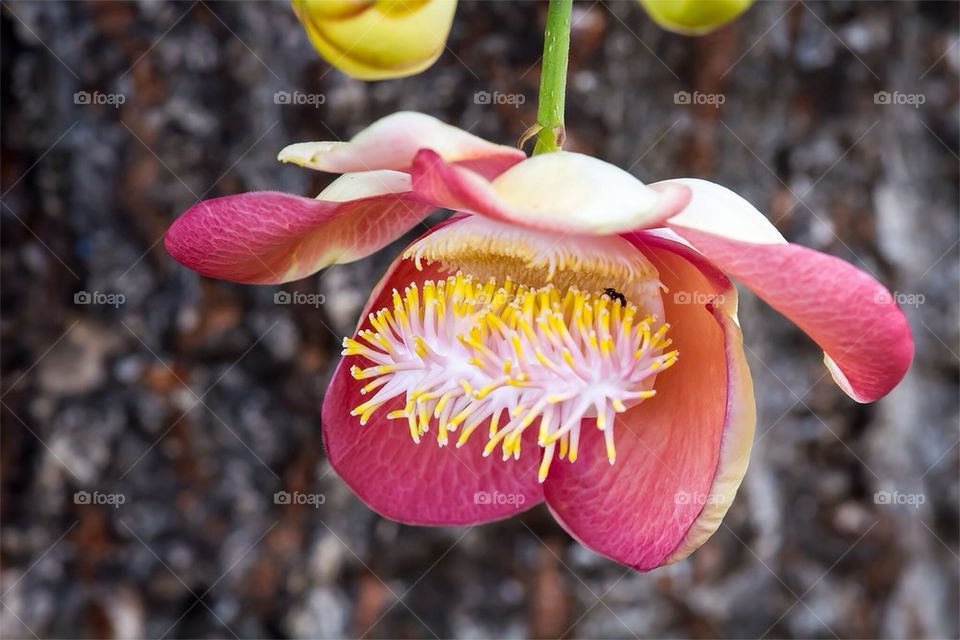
x=270 y=237
x=674 y=198
x=309 y=154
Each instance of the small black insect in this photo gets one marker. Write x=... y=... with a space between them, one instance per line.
x=613 y=294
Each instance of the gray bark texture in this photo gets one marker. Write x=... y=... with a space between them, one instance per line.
x=194 y=400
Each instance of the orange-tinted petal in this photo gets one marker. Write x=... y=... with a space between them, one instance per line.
x=680 y=455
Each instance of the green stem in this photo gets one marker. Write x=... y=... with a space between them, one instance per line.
x=553 y=77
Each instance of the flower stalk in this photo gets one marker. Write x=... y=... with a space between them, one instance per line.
x=553 y=77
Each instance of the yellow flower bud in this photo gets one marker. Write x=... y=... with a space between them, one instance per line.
x=377 y=39
x=694 y=17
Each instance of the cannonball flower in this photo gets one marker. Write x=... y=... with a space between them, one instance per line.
x=694 y=17
x=377 y=39
x=569 y=336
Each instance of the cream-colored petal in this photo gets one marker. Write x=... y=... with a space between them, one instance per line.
x=718 y=210
x=585 y=192
x=560 y=191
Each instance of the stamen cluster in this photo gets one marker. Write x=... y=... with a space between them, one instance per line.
x=464 y=354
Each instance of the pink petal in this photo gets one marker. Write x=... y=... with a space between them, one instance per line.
x=419 y=483
x=561 y=191
x=393 y=141
x=852 y=317
x=270 y=237
x=680 y=455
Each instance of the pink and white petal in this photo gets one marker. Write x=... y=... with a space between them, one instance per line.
x=867 y=341
x=865 y=336
x=422 y=483
x=680 y=455
x=560 y=191
x=393 y=141
x=715 y=209
x=269 y=237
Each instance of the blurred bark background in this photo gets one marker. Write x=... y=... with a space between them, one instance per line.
x=195 y=401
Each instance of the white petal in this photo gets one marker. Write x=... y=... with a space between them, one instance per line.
x=718 y=210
